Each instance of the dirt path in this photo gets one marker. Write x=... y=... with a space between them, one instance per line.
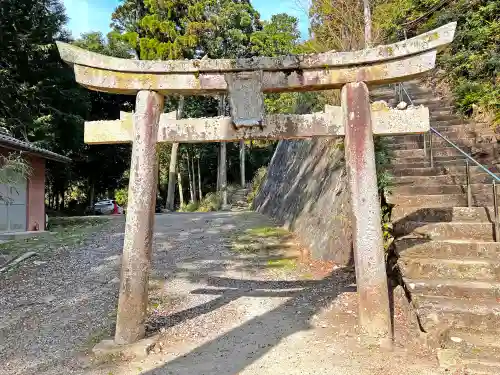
x=229 y=295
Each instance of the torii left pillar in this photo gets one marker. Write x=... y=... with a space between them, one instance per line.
x=136 y=259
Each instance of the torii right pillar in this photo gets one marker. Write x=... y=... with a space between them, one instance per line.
x=371 y=277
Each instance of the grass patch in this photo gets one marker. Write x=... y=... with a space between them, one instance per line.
x=285 y=263
x=268 y=232
x=260 y=239
x=68 y=233
x=97 y=337
x=156 y=283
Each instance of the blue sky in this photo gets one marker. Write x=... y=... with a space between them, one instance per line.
x=95 y=15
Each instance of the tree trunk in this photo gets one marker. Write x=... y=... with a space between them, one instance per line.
x=199 y=180
x=222 y=160
x=194 y=181
x=158 y=173
x=368 y=23
x=173 y=162
x=61 y=207
x=190 y=179
x=223 y=173
x=171 y=177
x=217 y=188
x=181 y=193
x=242 y=163
x=92 y=194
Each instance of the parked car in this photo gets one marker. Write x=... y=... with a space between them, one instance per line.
x=108 y=207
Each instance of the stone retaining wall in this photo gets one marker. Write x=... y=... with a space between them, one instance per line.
x=306 y=191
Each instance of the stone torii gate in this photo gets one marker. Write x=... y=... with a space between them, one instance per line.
x=245 y=81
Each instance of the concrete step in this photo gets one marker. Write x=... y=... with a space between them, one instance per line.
x=455 y=121
x=441 y=107
x=479 y=199
x=444 y=189
x=458 y=313
x=482 y=367
x=470 y=127
x=455 y=137
x=468 y=289
x=461 y=269
x=445 y=161
x=437 y=200
x=439 y=170
x=432 y=180
x=418 y=142
x=476 y=347
x=442 y=214
x=446 y=230
x=414 y=153
x=454 y=134
x=390 y=94
x=421 y=158
x=429 y=99
x=484 y=154
x=409 y=247
x=437 y=152
x=445 y=115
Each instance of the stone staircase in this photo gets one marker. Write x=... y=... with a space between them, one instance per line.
x=447 y=254
x=238 y=199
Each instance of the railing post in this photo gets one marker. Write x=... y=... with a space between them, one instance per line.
x=425 y=146
x=467 y=181
x=430 y=150
x=495 y=209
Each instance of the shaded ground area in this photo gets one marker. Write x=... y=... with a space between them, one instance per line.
x=230 y=294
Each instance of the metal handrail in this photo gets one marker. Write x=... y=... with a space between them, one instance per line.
x=401 y=89
x=495 y=177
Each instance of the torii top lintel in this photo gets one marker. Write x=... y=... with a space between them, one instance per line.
x=382 y=64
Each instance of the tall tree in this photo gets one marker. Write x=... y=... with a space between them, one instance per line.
x=104 y=166
x=40 y=101
x=337 y=24
x=279 y=36
x=367 y=12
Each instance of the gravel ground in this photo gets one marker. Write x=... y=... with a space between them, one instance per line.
x=220 y=306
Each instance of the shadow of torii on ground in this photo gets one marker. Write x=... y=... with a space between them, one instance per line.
x=243 y=345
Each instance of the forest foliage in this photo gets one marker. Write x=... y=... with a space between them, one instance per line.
x=41 y=102
x=471 y=66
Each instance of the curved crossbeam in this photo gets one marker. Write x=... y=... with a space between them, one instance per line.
x=329 y=123
x=381 y=64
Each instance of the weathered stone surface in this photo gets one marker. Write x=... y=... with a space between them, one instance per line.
x=428 y=41
x=327 y=124
x=246 y=99
x=306 y=190
x=216 y=129
x=137 y=244
x=199 y=83
x=137 y=350
x=369 y=259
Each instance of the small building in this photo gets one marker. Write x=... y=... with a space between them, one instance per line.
x=24 y=206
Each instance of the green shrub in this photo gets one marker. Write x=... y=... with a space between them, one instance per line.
x=189 y=207
x=471 y=64
x=121 y=196
x=257 y=181
x=211 y=202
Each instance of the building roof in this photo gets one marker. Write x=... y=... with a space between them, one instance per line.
x=12 y=143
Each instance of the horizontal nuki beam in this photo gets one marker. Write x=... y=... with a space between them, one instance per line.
x=382 y=64
x=221 y=129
